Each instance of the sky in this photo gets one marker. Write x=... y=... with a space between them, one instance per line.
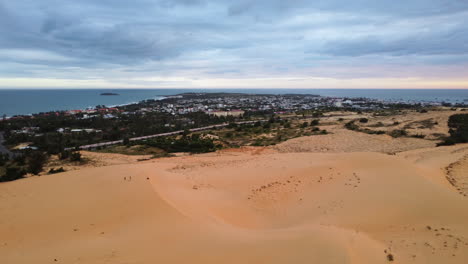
x=233 y=44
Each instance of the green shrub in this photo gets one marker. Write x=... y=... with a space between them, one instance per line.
x=12 y=174
x=36 y=161
x=390 y=257
x=351 y=126
x=64 y=154
x=53 y=171
x=75 y=156
x=398 y=133
x=458 y=125
x=192 y=144
x=418 y=136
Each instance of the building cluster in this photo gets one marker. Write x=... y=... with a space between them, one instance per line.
x=224 y=104
x=238 y=104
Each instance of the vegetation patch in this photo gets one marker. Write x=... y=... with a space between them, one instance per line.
x=352 y=126
x=187 y=143
x=54 y=171
x=458 y=131
x=398 y=133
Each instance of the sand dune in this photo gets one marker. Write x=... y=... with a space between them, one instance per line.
x=242 y=207
x=343 y=140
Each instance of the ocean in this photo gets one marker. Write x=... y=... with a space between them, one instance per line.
x=29 y=101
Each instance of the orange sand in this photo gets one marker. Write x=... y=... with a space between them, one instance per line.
x=243 y=207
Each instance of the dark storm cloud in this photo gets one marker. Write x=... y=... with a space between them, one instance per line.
x=225 y=36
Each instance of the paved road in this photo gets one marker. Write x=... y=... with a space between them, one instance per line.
x=104 y=144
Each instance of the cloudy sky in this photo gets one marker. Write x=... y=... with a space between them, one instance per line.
x=234 y=44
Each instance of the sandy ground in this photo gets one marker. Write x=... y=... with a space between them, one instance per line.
x=432 y=124
x=92 y=160
x=345 y=197
x=251 y=205
x=343 y=140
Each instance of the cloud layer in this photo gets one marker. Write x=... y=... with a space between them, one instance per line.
x=202 y=43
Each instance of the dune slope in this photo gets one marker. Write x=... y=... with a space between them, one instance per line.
x=238 y=208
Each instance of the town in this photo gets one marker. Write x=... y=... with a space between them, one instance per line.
x=190 y=122
x=172 y=114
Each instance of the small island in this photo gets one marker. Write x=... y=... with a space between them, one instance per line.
x=107 y=94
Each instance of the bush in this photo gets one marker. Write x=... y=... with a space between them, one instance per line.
x=373 y=132
x=398 y=133
x=447 y=142
x=390 y=257
x=363 y=120
x=458 y=125
x=53 y=171
x=304 y=125
x=3 y=159
x=36 y=161
x=314 y=122
x=351 y=126
x=75 y=156
x=232 y=125
x=12 y=174
x=185 y=144
x=20 y=160
x=64 y=155
x=418 y=136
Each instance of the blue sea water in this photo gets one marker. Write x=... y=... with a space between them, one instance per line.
x=23 y=102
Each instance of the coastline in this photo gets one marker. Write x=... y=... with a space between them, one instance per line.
x=28 y=102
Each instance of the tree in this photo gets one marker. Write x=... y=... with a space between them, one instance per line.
x=36 y=161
